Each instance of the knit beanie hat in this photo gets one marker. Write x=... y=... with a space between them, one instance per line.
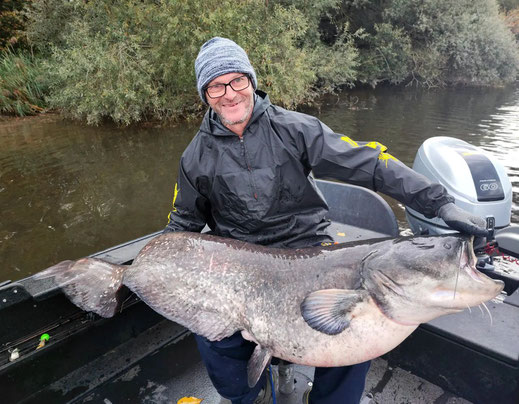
x=220 y=56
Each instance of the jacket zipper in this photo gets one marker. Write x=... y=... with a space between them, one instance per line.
x=249 y=169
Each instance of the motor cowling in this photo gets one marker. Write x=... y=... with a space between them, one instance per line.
x=476 y=179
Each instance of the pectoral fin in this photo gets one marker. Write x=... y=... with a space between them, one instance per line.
x=329 y=311
x=257 y=363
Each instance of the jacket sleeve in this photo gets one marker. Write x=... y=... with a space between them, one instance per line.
x=335 y=156
x=190 y=208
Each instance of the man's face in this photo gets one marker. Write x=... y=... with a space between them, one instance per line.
x=235 y=107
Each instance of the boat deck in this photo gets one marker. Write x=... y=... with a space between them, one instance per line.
x=175 y=370
x=138 y=356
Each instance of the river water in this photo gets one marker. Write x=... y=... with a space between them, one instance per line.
x=68 y=190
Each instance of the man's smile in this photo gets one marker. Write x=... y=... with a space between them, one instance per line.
x=231 y=105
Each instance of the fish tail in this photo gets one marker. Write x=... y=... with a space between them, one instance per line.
x=91 y=284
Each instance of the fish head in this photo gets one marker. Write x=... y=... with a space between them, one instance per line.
x=414 y=280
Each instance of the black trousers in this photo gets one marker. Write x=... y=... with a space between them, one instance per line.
x=226 y=364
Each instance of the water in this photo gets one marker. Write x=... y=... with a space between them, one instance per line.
x=67 y=190
x=402 y=119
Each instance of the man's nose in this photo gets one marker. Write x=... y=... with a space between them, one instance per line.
x=229 y=92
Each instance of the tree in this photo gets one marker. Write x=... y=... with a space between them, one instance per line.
x=12 y=23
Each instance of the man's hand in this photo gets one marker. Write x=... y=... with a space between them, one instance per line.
x=463 y=221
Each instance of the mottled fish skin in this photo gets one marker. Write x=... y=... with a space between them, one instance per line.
x=319 y=306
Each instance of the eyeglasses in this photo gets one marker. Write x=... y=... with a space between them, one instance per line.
x=237 y=84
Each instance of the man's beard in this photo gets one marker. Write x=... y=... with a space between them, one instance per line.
x=246 y=115
x=230 y=123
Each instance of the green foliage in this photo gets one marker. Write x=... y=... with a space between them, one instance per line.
x=507 y=5
x=21 y=84
x=100 y=75
x=12 y=24
x=388 y=56
x=475 y=45
x=336 y=65
x=431 y=42
x=134 y=60
x=511 y=19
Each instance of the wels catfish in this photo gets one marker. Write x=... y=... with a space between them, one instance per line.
x=318 y=306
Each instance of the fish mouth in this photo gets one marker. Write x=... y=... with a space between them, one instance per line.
x=467 y=292
x=468 y=260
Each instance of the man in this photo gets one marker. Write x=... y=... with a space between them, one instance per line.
x=247 y=175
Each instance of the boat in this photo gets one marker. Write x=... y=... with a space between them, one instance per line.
x=52 y=351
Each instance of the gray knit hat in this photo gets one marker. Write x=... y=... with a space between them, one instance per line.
x=220 y=56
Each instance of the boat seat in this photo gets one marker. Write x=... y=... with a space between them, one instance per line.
x=357 y=213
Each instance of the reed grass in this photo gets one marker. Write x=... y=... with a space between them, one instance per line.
x=22 y=85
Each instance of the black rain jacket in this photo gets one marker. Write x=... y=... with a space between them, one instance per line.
x=259 y=188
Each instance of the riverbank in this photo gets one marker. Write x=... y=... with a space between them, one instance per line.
x=54 y=116
x=135 y=62
x=42 y=117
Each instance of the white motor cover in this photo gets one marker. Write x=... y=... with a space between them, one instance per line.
x=478 y=185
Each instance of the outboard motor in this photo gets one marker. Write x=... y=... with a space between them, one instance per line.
x=478 y=183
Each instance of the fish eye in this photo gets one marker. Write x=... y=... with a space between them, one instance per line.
x=447 y=246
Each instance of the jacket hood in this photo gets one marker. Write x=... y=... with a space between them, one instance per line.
x=211 y=123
